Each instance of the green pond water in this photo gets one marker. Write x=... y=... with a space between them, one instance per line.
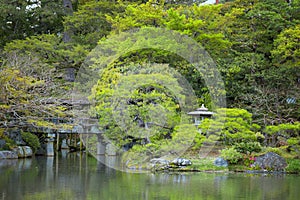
x=71 y=176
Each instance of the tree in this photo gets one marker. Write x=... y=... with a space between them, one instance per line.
x=282 y=135
x=203 y=23
x=139 y=101
x=252 y=79
x=34 y=68
x=287 y=48
x=44 y=56
x=230 y=126
x=20 y=19
x=21 y=101
x=88 y=24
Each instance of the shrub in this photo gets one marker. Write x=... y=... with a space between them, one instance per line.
x=233 y=125
x=198 y=141
x=274 y=150
x=9 y=143
x=293 y=141
x=249 y=161
x=31 y=140
x=293 y=166
x=248 y=147
x=231 y=155
x=184 y=134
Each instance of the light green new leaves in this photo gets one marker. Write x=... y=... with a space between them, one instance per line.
x=230 y=125
x=287 y=47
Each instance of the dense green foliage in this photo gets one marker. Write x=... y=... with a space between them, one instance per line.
x=31 y=140
x=230 y=126
x=9 y=143
x=248 y=147
x=232 y=155
x=20 y=19
x=293 y=166
x=137 y=101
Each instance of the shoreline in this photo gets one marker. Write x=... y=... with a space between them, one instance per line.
x=199 y=165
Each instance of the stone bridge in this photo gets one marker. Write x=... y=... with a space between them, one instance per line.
x=86 y=127
x=90 y=135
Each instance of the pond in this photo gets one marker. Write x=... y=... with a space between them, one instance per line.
x=75 y=176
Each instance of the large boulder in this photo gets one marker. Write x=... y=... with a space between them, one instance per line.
x=220 y=162
x=27 y=151
x=19 y=151
x=181 y=162
x=24 y=151
x=271 y=162
x=8 y=155
x=163 y=164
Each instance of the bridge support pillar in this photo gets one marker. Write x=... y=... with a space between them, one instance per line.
x=64 y=144
x=100 y=148
x=111 y=162
x=50 y=148
x=110 y=150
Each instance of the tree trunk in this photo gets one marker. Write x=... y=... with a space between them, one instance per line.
x=69 y=11
x=68 y=6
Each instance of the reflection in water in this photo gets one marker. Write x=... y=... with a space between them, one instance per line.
x=49 y=170
x=8 y=163
x=76 y=176
x=110 y=161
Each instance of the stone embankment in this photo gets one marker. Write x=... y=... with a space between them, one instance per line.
x=18 y=152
